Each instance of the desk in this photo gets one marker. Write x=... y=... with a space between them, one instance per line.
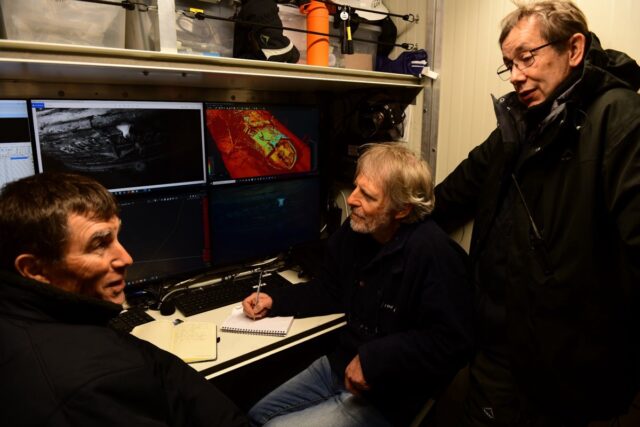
x=236 y=350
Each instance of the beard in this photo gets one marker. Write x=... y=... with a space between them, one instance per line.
x=370 y=224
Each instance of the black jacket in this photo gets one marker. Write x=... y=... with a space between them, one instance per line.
x=565 y=294
x=62 y=366
x=408 y=308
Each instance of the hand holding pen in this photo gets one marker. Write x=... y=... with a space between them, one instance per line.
x=257 y=305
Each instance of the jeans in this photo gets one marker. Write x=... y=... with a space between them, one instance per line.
x=315 y=397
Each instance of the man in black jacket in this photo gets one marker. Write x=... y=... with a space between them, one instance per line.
x=62 y=273
x=403 y=285
x=555 y=195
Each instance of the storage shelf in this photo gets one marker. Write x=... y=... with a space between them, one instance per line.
x=30 y=62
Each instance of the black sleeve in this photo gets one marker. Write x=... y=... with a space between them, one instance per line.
x=457 y=196
x=192 y=400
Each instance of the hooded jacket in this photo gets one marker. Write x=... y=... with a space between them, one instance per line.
x=62 y=366
x=564 y=299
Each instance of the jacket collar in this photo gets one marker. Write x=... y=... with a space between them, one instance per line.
x=396 y=243
x=519 y=125
x=30 y=299
x=610 y=68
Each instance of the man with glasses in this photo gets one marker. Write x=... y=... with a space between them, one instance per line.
x=555 y=195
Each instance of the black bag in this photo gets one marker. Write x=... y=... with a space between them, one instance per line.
x=255 y=41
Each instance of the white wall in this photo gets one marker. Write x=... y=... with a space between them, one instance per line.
x=471 y=55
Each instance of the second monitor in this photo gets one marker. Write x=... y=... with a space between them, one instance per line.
x=253 y=221
x=251 y=142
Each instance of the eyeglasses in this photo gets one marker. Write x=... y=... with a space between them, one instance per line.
x=526 y=60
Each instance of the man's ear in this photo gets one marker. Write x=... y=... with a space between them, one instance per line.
x=402 y=213
x=28 y=265
x=577 y=45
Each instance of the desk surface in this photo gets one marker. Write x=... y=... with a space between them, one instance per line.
x=236 y=350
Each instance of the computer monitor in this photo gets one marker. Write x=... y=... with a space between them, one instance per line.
x=254 y=221
x=128 y=146
x=16 y=155
x=167 y=235
x=254 y=142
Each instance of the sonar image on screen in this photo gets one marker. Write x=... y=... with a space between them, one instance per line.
x=253 y=142
x=132 y=145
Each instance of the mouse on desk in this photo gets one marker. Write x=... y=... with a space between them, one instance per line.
x=167 y=308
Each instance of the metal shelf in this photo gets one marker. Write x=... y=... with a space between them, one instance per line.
x=30 y=62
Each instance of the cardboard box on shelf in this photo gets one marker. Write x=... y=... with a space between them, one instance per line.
x=364 y=52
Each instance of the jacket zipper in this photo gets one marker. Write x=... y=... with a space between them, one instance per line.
x=537 y=242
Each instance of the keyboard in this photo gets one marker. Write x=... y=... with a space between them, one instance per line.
x=199 y=300
x=127 y=320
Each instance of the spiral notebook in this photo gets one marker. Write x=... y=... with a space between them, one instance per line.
x=238 y=322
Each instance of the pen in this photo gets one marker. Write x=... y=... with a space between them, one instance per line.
x=258 y=290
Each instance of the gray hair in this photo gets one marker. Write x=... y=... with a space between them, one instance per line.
x=405 y=178
x=559 y=19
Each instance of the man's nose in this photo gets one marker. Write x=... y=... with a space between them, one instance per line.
x=516 y=75
x=122 y=258
x=352 y=199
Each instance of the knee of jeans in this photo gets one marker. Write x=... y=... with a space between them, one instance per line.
x=256 y=417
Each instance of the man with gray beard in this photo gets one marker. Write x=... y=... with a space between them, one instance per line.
x=403 y=285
